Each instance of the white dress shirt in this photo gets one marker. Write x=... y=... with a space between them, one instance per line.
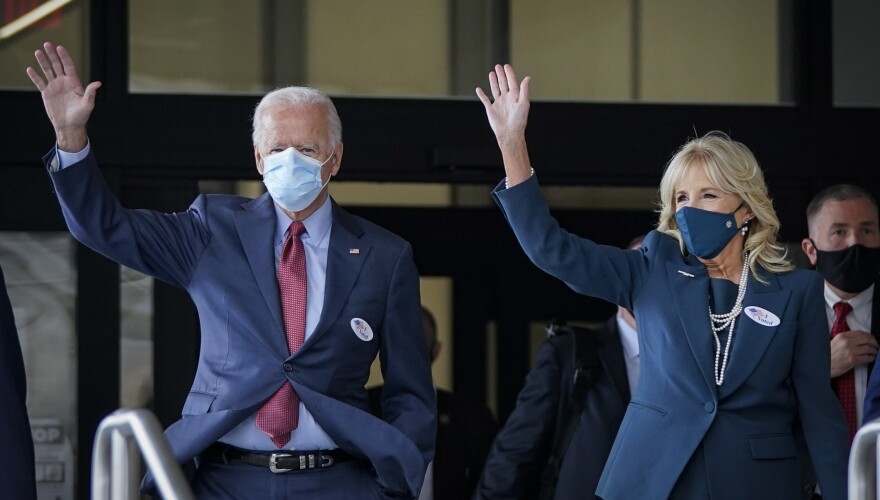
x=858 y=319
x=630 y=341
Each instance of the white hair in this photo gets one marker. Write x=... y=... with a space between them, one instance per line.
x=297 y=96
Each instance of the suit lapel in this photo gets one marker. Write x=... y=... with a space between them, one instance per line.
x=751 y=338
x=691 y=297
x=875 y=325
x=256 y=228
x=346 y=254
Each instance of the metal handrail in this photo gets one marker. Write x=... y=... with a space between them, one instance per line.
x=111 y=465
x=863 y=460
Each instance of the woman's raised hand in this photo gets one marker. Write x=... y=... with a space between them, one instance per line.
x=508 y=110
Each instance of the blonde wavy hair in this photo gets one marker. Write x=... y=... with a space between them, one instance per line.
x=731 y=167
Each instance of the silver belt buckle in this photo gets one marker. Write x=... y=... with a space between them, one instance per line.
x=273 y=461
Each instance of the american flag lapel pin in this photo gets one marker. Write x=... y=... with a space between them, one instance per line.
x=354 y=250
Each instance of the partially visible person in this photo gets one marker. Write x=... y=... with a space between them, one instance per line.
x=17 y=475
x=844 y=245
x=538 y=430
x=296 y=298
x=465 y=431
x=733 y=341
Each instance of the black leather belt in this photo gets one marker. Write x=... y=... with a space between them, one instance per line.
x=279 y=462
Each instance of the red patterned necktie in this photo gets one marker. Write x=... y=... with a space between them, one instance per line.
x=280 y=415
x=845 y=385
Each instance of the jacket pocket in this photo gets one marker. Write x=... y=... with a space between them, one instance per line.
x=772 y=447
x=198 y=403
x=647 y=406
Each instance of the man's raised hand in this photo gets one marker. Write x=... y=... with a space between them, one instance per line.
x=68 y=105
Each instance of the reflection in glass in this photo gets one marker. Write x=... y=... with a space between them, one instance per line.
x=856 y=52
x=41 y=281
x=136 y=339
x=394 y=47
x=26 y=24
x=671 y=51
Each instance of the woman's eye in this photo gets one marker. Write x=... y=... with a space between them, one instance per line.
x=680 y=198
x=709 y=196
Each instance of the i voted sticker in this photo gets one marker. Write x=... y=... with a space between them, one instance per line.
x=761 y=316
x=362 y=329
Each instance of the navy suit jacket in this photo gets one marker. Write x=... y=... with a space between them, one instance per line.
x=743 y=427
x=872 y=392
x=221 y=251
x=17 y=477
x=522 y=448
x=465 y=430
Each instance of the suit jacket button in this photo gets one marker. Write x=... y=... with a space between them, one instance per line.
x=709 y=407
x=288 y=366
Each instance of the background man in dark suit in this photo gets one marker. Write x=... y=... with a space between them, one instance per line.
x=17 y=477
x=296 y=298
x=465 y=431
x=844 y=245
x=521 y=450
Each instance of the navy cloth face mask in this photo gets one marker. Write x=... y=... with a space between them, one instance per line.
x=706 y=233
x=852 y=269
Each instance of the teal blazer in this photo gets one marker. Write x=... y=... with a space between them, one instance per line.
x=742 y=430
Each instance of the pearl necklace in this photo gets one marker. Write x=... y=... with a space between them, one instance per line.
x=721 y=321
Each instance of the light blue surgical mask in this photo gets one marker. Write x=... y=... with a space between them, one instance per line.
x=293 y=179
x=706 y=233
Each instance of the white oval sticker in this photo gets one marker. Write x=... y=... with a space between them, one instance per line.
x=362 y=329
x=761 y=316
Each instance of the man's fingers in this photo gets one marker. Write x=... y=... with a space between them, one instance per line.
x=44 y=65
x=67 y=64
x=52 y=52
x=35 y=77
x=90 y=91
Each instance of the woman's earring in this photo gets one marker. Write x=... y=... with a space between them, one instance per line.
x=745 y=228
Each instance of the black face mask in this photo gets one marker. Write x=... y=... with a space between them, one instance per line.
x=852 y=269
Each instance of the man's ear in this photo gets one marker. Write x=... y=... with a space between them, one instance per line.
x=258 y=159
x=810 y=249
x=337 y=160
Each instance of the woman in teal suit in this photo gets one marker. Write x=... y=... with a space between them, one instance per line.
x=733 y=340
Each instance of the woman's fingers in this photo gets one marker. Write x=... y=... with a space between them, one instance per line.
x=502 y=78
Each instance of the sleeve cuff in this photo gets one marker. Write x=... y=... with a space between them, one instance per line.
x=66 y=159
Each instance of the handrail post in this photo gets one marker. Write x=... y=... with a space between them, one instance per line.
x=863 y=481
x=112 y=466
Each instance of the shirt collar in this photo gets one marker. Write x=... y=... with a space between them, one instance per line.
x=317 y=225
x=861 y=303
x=628 y=338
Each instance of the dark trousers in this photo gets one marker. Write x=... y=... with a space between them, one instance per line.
x=349 y=480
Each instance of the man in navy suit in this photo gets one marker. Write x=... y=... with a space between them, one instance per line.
x=518 y=460
x=844 y=245
x=17 y=478
x=355 y=296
